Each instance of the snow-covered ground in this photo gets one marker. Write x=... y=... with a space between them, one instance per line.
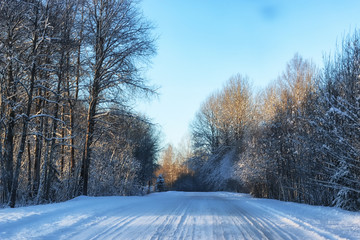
x=178 y=215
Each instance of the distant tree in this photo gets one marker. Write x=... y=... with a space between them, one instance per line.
x=168 y=167
x=205 y=133
x=236 y=109
x=223 y=117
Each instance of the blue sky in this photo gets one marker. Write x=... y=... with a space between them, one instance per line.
x=202 y=43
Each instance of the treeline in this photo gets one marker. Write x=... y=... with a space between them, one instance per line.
x=297 y=140
x=69 y=71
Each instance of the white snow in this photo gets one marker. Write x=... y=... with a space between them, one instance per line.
x=178 y=215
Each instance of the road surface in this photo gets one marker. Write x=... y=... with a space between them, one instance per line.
x=177 y=215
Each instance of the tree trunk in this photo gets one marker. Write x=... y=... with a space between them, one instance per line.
x=62 y=152
x=29 y=188
x=3 y=176
x=87 y=150
x=9 y=137
x=43 y=175
x=94 y=95
x=38 y=147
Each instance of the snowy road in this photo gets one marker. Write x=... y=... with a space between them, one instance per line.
x=178 y=215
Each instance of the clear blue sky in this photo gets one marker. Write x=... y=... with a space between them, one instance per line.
x=202 y=43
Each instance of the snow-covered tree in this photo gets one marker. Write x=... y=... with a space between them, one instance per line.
x=341 y=88
x=118 y=38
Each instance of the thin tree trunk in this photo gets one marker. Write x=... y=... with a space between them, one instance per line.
x=3 y=176
x=62 y=152
x=87 y=150
x=29 y=169
x=38 y=146
x=9 y=137
x=2 y=163
x=43 y=176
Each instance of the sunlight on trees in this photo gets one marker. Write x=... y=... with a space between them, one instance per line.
x=297 y=140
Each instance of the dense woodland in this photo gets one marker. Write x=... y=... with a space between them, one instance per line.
x=69 y=73
x=297 y=140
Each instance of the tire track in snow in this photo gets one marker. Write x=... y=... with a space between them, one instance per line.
x=299 y=224
x=172 y=222
x=261 y=226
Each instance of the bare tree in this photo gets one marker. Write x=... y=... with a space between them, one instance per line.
x=119 y=38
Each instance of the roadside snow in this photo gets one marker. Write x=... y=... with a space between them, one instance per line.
x=178 y=215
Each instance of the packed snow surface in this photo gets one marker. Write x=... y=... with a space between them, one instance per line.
x=178 y=215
